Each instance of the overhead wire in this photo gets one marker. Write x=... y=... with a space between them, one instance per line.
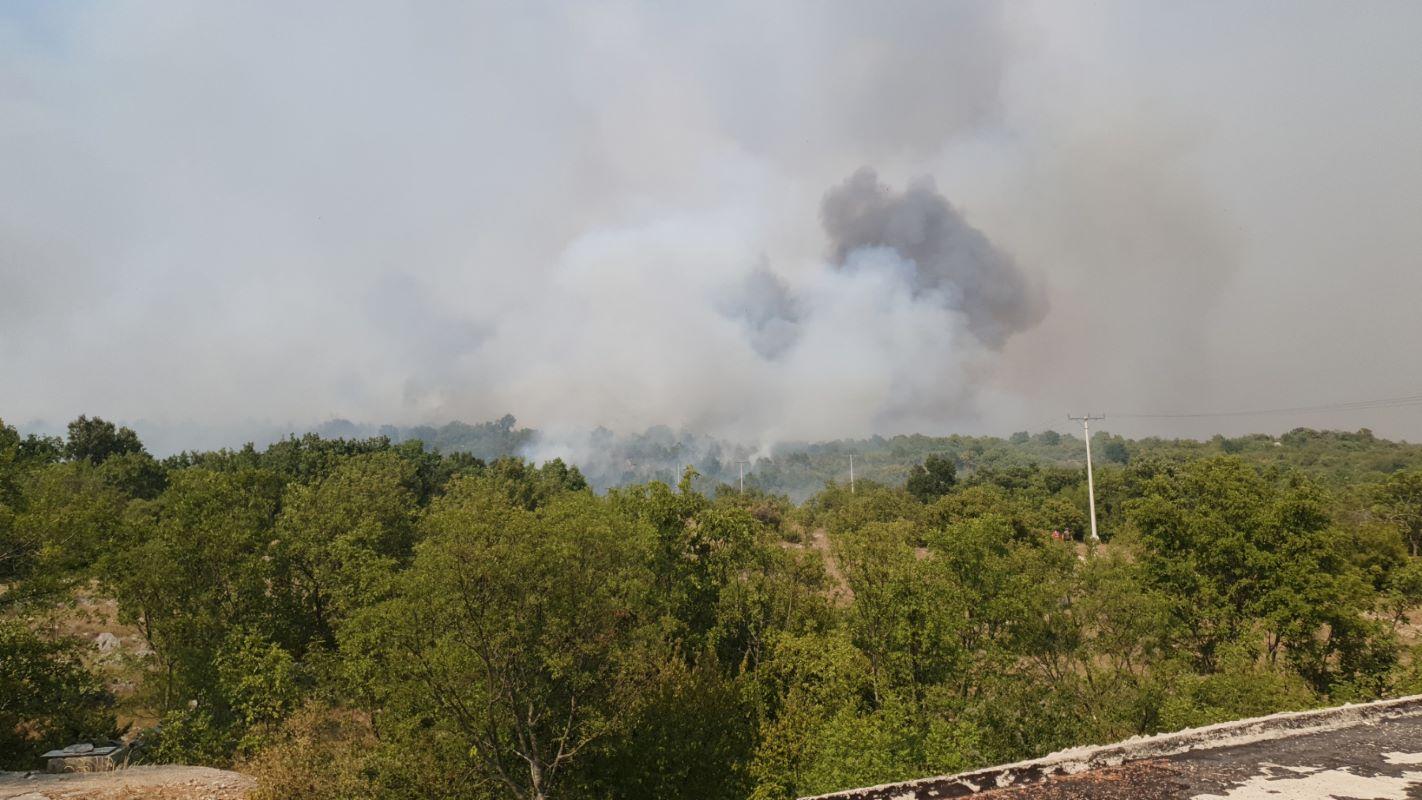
x=1402 y=401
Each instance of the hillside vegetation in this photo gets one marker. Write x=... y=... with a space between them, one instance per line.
x=376 y=618
x=800 y=469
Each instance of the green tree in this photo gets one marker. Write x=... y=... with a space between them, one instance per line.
x=135 y=474
x=514 y=636
x=1399 y=501
x=95 y=440
x=194 y=566
x=932 y=479
x=1240 y=554
x=340 y=540
x=68 y=515
x=1114 y=450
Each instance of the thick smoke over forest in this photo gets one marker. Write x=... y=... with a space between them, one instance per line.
x=752 y=221
x=885 y=334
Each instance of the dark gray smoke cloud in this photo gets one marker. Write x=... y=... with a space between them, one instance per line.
x=950 y=257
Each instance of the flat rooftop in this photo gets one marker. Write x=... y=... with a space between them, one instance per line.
x=1371 y=751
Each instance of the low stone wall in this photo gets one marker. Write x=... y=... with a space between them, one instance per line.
x=80 y=764
x=1080 y=759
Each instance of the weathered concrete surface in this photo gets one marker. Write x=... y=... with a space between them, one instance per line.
x=1372 y=750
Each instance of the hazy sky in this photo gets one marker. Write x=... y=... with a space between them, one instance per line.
x=222 y=217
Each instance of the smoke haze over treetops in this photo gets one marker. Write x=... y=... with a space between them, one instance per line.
x=224 y=218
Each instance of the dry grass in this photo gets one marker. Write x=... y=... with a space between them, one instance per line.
x=85 y=615
x=320 y=754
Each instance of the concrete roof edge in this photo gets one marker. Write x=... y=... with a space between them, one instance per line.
x=1080 y=759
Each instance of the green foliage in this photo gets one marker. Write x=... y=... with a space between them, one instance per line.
x=1113 y=449
x=371 y=618
x=69 y=516
x=690 y=735
x=514 y=632
x=134 y=474
x=1399 y=502
x=96 y=440
x=192 y=736
x=932 y=479
x=486 y=441
x=48 y=698
x=193 y=567
x=1242 y=688
x=1239 y=553
x=340 y=539
x=259 y=683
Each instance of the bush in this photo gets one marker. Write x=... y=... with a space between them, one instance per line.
x=260 y=683
x=192 y=736
x=320 y=753
x=1242 y=689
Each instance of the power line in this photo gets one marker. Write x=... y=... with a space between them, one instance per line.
x=1403 y=401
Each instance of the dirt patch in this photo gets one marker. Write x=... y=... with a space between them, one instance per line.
x=840 y=593
x=116 y=652
x=167 y=782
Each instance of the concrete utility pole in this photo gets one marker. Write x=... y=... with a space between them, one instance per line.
x=743 y=475
x=1085 y=421
x=851 y=473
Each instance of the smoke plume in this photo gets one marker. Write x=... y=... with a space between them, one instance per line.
x=950 y=257
x=220 y=220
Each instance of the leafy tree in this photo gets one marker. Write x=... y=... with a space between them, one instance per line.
x=368 y=617
x=690 y=734
x=136 y=475
x=259 y=683
x=514 y=634
x=932 y=479
x=195 y=566
x=341 y=539
x=69 y=516
x=95 y=440
x=1239 y=554
x=1114 y=450
x=1399 y=501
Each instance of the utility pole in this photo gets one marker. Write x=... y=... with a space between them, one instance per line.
x=851 y=473
x=743 y=475
x=1085 y=420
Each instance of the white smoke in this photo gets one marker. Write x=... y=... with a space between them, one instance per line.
x=659 y=323
x=218 y=218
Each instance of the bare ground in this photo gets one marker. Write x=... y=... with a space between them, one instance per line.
x=167 y=782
